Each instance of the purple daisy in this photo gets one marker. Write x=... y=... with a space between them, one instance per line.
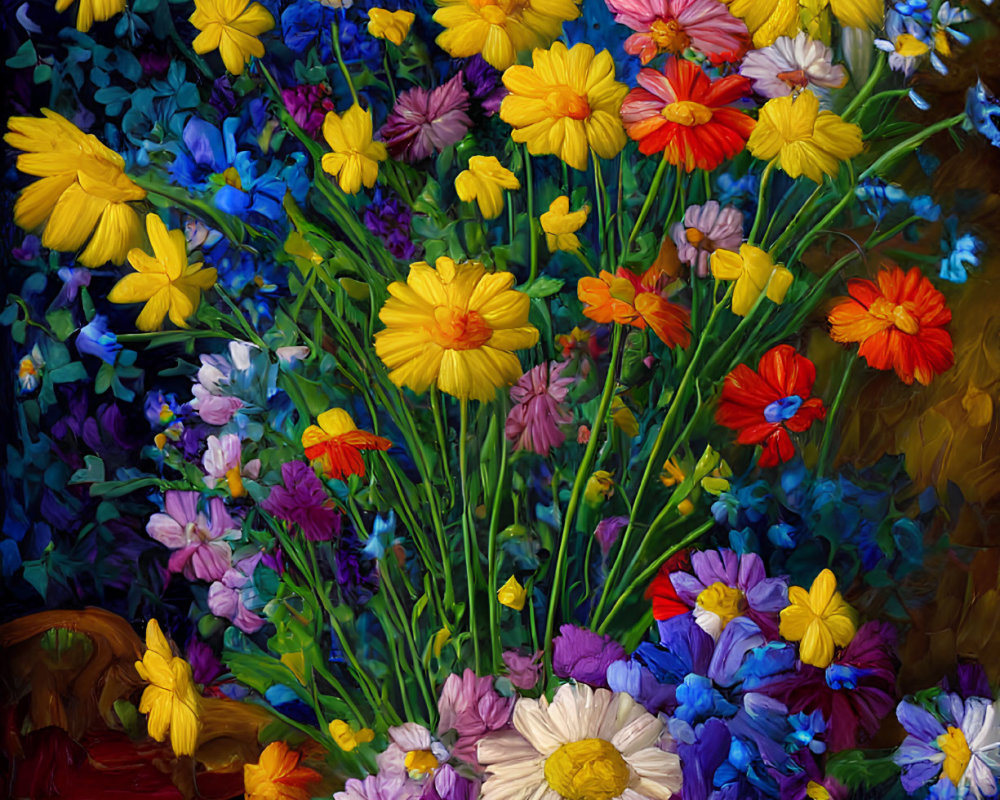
x=423 y=121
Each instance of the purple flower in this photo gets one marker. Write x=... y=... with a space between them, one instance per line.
x=199 y=545
x=725 y=585
x=232 y=596
x=425 y=121
x=607 y=532
x=308 y=106
x=156 y=65
x=389 y=219
x=304 y=502
x=96 y=340
x=640 y=683
x=448 y=785
x=472 y=708
x=222 y=98
x=795 y=786
x=355 y=573
x=702 y=757
x=31 y=248
x=204 y=664
x=73 y=278
x=212 y=408
x=523 y=671
x=533 y=422
x=705 y=229
x=382 y=786
x=484 y=84
x=584 y=655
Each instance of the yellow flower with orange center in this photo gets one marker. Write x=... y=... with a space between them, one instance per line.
x=500 y=29
x=566 y=104
x=456 y=326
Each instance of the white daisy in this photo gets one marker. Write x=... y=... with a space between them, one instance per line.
x=790 y=65
x=586 y=745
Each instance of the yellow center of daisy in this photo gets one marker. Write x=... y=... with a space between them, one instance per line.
x=590 y=769
x=816 y=791
x=687 y=112
x=455 y=329
x=420 y=762
x=669 y=36
x=726 y=602
x=898 y=315
x=956 y=754
x=909 y=46
x=562 y=101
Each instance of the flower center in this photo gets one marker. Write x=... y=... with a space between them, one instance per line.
x=909 y=46
x=493 y=14
x=796 y=79
x=956 y=754
x=590 y=769
x=699 y=240
x=726 y=602
x=898 y=315
x=669 y=35
x=562 y=101
x=459 y=330
x=816 y=791
x=687 y=112
x=420 y=763
x=783 y=409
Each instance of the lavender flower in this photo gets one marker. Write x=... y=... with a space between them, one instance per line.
x=389 y=219
x=790 y=65
x=423 y=122
x=303 y=501
x=533 y=423
x=584 y=655
x=200 y=546
x=523 y=671
x=705 y=229
x=484 y=84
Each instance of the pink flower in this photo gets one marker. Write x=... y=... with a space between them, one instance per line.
x=471 y=707
x=230 y=597
x=423 y=121
x=672 y=26
x=404 y=739
x=523 y=671
x=308 y=106
x=214 y=409
x=705 y=229
x=199 y=544
x=790 y=65
x=533 y=423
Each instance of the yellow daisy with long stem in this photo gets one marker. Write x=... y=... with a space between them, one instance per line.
x=170 y=700
x=164 y=281
x=454 y=325
x=232 y=28
x=566 y=104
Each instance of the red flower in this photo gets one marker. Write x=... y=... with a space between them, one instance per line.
x=666 y=602
x=899 y=323
x=683 y=113
x=765 y=405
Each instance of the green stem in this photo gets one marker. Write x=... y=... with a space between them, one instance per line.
x=233 y=231
x=582 y=475
x=388 y=73
x=760 y=200
x=335 y=34
x=654 y=188
x=831 y=417
x=493 y=563
x=678 y=191
x=411 y=642
x=865 y=90
x=532 y=237
x=468 y=531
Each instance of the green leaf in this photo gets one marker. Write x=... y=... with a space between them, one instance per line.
x=106 y=511
x=92 y=472
x=544 y=287
x=61 y=322
x=103 y=380
x=24 y=57
x=37 y=575
x=42 y=73
x=68 y=373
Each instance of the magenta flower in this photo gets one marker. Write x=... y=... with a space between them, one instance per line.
x=705 y=229
x=672 y=26
x=201 y=549
x=533 y=423
x=304 y=502
x=472 y=708
x=523 y=671
x=607 y=532
x=423 y=121
x=232 y=596
x=308 y=106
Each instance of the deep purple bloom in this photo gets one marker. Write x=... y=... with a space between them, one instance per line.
x=304 y=502
x=607 y=532
x=156 y=65
x=794 y=786
x=355 y=573
x=308 y=106
x=471 y=707
x=389 y=219
x=701 y=758
x=31 y=248
x=484 y=84
x=423 y=121
x=222 y=98
x=204 y=664
x=447 y=784
x=584 y=655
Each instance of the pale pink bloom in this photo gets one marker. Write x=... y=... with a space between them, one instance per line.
x=471 y=707
x=423 y=121
x=201 y=549
x=232 y=596
x=404 y=739
x=224 y=455
x=289 y=355
x=533 y=423
x=672 y=26
x=705 y=229
x=214 y=409
x=790 y=65
x=523 y=671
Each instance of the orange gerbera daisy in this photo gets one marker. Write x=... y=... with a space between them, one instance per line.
x=278 y=776
x=684 y=113
x=639 y=301
x=900 y=324
x=337 y=444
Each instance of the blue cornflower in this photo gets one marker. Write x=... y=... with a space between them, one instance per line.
x=95 y=339
x=982 y=107
x=698 y=700
x=805 y=730
x=962 y=256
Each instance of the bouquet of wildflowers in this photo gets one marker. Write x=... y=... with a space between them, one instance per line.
x=526 y=399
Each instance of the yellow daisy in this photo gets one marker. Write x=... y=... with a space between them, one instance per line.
x=355 y=157
x=232 y=28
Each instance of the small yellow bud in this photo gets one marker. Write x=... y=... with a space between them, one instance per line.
x=160 y=440
x=512 y=594
x=347 y=738
x=441 y=638
x=600 y=486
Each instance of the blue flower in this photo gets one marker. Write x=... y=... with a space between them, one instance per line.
x=805 y=730
x=95 y=339
x=962 y=257
x=982 y=107
x=698 y=700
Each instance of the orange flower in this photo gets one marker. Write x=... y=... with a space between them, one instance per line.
x=630 y=299
x=278 y=776
x=899 y=323
x=337 y=444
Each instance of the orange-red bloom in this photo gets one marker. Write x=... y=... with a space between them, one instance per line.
x=899 y=323
x=684 y=113
x=278 y=776
x=630 y=299
x=337 y=444
x=765 y=405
